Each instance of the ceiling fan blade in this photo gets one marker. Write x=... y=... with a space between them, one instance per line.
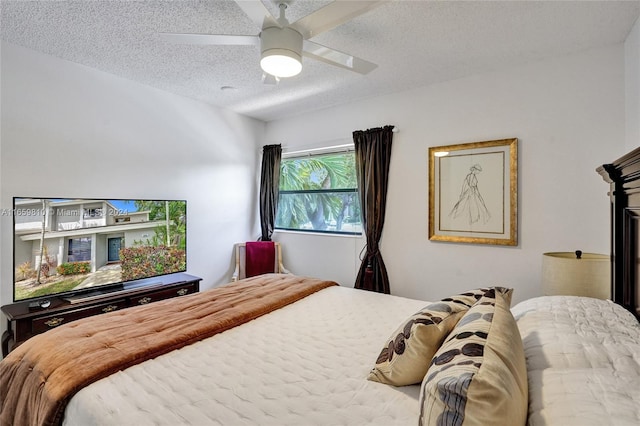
x=332 y=15
x=337 y=58
x=209 y=39
x=258 y=13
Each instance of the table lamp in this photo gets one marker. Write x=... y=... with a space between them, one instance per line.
x=576 y=274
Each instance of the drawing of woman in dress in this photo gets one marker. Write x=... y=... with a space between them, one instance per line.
x=470 y=202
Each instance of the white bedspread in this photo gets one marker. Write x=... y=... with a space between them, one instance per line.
x=583 y=361
x=305 y=364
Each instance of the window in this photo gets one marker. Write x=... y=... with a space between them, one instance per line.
x=79 y=249
x=319 y=193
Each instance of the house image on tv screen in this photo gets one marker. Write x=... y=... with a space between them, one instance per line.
x=99 y=242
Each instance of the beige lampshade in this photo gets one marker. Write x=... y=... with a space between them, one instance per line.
x=564 y=274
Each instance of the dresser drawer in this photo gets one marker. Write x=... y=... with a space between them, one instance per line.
x=165 y=293
x=42 y=324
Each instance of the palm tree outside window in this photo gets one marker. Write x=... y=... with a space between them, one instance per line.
x=319 y=193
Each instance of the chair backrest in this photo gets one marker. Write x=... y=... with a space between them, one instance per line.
x=240 y=270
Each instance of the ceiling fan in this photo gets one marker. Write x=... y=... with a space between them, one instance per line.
x=282 y=44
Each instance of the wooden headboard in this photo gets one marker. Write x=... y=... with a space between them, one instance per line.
x=623 y=175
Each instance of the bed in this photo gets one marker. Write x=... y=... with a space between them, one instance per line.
x=308 y=352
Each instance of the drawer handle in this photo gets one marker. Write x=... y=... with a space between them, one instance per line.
x=182 y=291
x=110 y=308
x=54 y=322
x=144 y=300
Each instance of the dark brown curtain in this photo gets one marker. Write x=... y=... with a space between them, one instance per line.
x=269 y=189
x=373 y=155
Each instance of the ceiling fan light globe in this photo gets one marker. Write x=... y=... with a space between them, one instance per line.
x=281 y=63
x=281 y=51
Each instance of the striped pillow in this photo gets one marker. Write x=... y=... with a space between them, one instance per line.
x=478 y=376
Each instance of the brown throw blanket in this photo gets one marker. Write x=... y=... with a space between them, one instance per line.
x=39 y=377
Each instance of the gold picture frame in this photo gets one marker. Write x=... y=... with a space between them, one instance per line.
x=473 y=192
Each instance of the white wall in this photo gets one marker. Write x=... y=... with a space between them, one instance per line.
x=71 y=131
x=632 y=87
x=569 y=116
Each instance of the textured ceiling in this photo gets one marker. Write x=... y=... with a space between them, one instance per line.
x=414 y=43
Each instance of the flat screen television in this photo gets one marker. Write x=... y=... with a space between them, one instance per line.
x=73 y=247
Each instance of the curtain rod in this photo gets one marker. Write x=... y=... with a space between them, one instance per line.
x=317 y=146
x=343 y=144
x=345 y=147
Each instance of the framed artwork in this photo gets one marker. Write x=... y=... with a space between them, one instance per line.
x=473 y=192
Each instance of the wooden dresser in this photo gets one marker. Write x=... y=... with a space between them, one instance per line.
x=24 y=322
